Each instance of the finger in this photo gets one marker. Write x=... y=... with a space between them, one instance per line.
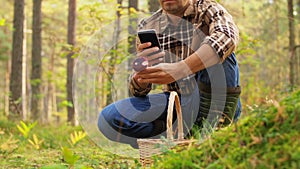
x=135 y=76
x=153 y=81
x=156 y=80
x=155 y=61
x=156 y=55
x=154 y=75
x=142 y=46
x=148 y=70
x=148 y=80
x=148 y=52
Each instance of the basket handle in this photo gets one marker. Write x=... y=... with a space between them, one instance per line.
x=174 y=98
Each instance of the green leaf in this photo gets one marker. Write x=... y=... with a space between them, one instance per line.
x=2 y=22
x=76 y=136
x=24 y=133
x=25 y=127
x=36 y=143
x=33 y=125
x=66 y=103
x=69 y=156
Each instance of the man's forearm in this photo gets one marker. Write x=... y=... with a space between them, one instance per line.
x=203 y=58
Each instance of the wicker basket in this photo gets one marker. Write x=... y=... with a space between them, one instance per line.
x=151 y=147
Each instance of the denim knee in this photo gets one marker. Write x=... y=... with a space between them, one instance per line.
x=105 y=120
x=105 y=126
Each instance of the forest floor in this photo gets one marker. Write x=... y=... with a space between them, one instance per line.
x=53 y=147
x=268 y=137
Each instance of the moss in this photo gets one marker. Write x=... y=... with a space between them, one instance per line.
x=268 y=138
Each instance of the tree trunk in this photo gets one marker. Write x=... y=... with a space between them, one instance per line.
x=132 y=23
x=70 y=60
x=112 y=60
x=16 y=62
x=298 y=48
x=24 y=72
x=153 y=5
x=7 y=66
x=298 y=14
x=132 y=31
x=6 y=102
x=291 y=42
x=49 y=106
x=36 y=71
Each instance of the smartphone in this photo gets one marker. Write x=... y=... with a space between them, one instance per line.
x=149 y=35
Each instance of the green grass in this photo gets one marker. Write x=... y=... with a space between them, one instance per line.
x=17 y=152
x=266 y=138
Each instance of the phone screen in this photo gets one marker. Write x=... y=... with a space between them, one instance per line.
x=149 y=35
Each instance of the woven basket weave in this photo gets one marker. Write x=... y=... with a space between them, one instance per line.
x=150 y=147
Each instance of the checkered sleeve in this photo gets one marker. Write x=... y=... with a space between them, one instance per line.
x=134 y=88
x=223 y=33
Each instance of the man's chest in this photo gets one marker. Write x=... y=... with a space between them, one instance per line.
x=179 y=41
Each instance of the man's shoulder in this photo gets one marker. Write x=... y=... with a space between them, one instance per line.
x=151 y=20
x=209 y=7
x=205 y=3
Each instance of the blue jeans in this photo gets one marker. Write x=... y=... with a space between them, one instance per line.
x=131 y=118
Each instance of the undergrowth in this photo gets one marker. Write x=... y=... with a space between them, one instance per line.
x=53 y=147
x=268 y=138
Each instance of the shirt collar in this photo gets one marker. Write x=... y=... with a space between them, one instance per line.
x=164 y=20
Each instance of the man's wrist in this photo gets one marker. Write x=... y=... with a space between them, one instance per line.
x=138 y=85
x=184 y=68
x=137 y=90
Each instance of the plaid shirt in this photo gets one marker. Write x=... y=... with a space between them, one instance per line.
x=203 y=22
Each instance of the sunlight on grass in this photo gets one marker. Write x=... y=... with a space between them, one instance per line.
x=268 y=138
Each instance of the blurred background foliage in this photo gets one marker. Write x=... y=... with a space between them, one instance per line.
x=264 y=55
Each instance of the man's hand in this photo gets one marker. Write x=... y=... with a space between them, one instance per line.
x=153 y=59
x=163 y=73
x=144 y=51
